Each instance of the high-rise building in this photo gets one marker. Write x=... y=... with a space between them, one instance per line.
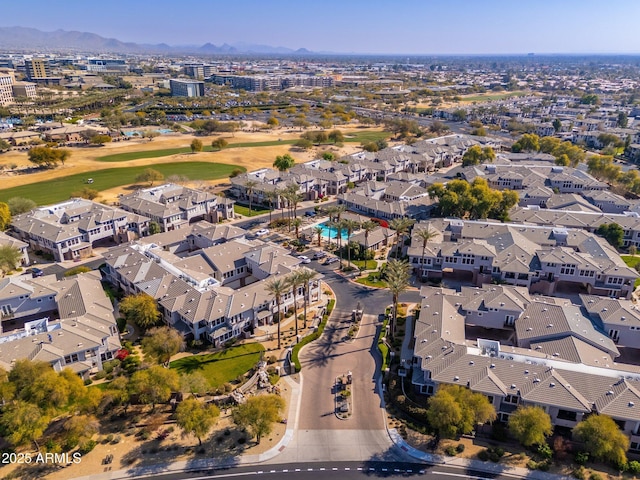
x=7 y=79
x=186 y=88
x=37 y=68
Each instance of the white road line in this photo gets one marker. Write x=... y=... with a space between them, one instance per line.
x=460 y=475
x=226 y=475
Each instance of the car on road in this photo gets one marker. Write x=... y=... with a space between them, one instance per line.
x=331 y=260
x=304 y=259
x=262 y=232
x=319 y=255
x=309 y=213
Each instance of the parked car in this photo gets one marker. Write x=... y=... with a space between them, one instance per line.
x=319 y=255
x=310 y=213
x=36 y=272
x=331 y=260
x=262 y=232
x=304 y=259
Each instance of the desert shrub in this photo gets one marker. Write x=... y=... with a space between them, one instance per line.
x=633 y=467
x=87 y=446
x=545 y=451
x=460 y=448
x=582 y=458
x=450 y=450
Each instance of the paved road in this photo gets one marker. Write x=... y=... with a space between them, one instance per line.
x=341 y=470
x=321 y=436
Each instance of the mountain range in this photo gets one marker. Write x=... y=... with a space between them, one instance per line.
x=30 y=39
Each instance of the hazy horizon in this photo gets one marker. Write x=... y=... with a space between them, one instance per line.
x=364 y=27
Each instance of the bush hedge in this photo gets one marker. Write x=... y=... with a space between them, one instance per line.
x=310 y=338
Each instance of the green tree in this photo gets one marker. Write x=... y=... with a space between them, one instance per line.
x=273 y=122
x=530 y=425
x=303 y=144
x=590 y=99
x=154 y=227
x=24 y=423
x=602 y=439
x=613 y=233
x=284 y=162
x=4 y=145
x=154 y=385
x=79 y=427
x=336 y=136
x=9 y=258
x=150 y=175
x=401 y=225
x=306 y=275
x=194 y=383
x=557 y=125
x=350 y=226
x=258 y=414
x=219 y=143
x=196 y=145
x=5 y=216
x=529 y=142
x=18 y=205
x=367 y=227
x=397 y=275
x=196 y=418
x=573 y=152
x=140 y=309
x=549 y=144
x=455 y=410
x=623 y=120
x=249 y=187
x=328 y=156
x=476 y=154
x=370 y=147
x=100 y=139
x=76 y=271
x=47 y=156
x=277 y=287
x=86 y=192
x=161 y=343
x=318 y=231
x=424 y=234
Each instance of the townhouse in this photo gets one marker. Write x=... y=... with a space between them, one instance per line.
x=68 y=323
x=560 y=361
x=542 y=259
x=214 y=293
x=70 y=229
x=173 y=206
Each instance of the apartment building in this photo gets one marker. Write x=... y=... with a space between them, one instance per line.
x=542 y=259
x=70 y=229
x=7 y=81
x=68 y=323
x=173 y=206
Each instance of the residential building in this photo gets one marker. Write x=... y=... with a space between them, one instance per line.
x=70 y=229
x=68 y=323
x=6 y=240
x=173 y=206
x=7 y=80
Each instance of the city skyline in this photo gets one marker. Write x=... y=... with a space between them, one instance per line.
x=410 y=27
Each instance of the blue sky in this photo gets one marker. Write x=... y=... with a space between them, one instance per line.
x=360 y=26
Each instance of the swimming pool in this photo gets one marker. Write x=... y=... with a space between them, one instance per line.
x=332 y=232
x=138 y=133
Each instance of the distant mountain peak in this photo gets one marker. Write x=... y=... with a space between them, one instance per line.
x=31 y=39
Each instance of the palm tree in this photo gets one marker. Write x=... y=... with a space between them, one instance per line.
x=294 y=281
x=318 y=231
x=294 y=198
x=277 y=287
x=339 y=225
x=350 y=226
x=424 y=234
x=306 y=275
x=271 y=196
x=367 y=226
x=397 y=281
x=296 y=224
x=401 y=225
x=249 y=186
x=281 y=195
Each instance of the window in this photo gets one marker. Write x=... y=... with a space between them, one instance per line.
x=567 y=415
x=513 y=399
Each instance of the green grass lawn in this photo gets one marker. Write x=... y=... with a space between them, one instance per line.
x=632 y=261
x=222 y=367
x=255 y=210
x=494 y=96
x=123 y=157
x=58 y=189
x=372 y=283
x=371 y=264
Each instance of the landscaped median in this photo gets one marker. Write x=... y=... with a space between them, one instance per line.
x=310 y=338
x=382 y=346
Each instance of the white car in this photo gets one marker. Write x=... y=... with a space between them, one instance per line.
x=331 y=260
x=304 y=259
x=262 y=232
